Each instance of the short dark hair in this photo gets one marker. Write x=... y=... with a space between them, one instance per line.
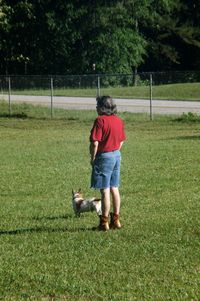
x=106 y=105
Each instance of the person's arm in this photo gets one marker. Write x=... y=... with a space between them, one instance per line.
x=93 y=150
x=121 y=143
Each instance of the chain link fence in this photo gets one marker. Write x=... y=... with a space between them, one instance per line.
x=140 y=93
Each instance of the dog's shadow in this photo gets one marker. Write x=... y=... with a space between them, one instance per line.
x=51 y=218
x=41 y=229
x=44 y=229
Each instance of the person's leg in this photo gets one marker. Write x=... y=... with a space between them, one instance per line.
x=115 y=199
x=105 y=201
x=115 y=223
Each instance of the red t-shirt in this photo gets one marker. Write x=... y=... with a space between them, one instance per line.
x=109 y=132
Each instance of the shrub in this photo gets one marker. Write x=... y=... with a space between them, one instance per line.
x=189 y=117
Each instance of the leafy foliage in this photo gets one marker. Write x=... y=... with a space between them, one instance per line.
x=189 y=117
x=45 y=36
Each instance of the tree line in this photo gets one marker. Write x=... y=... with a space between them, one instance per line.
x=98 y=36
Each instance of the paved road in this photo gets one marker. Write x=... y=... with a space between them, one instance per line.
x=123 y=105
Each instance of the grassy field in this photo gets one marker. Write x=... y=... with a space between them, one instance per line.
x=48 y=254
x=189 y=91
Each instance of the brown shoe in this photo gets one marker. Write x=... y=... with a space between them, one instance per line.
x=103 y=225
x=114 y=221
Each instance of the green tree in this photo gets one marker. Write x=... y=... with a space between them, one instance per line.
x=46 y=36
x=4 y=30
x=38 y=36
x=187 y=34
x=108 y=37
x=172 y=31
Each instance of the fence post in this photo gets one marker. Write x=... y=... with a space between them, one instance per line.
x=98 y=85
x=51 y=97
x=151 y=94
x=9 y=95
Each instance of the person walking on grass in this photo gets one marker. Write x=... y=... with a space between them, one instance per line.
x=106 y=139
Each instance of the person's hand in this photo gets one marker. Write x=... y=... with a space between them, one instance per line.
x=92 y=161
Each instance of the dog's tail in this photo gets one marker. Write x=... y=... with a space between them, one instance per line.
x=97 y=200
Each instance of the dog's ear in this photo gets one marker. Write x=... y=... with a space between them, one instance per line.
x=79 y=190
x=72 y=191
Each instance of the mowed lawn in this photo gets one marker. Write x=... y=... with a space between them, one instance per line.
x=46 y=253
x=186 y=91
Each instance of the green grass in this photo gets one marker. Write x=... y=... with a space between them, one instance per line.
x=48 y=254
x=189 y=91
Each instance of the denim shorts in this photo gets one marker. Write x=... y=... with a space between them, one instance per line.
x=106 y=170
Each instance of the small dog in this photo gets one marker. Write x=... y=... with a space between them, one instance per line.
x=85 y=205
